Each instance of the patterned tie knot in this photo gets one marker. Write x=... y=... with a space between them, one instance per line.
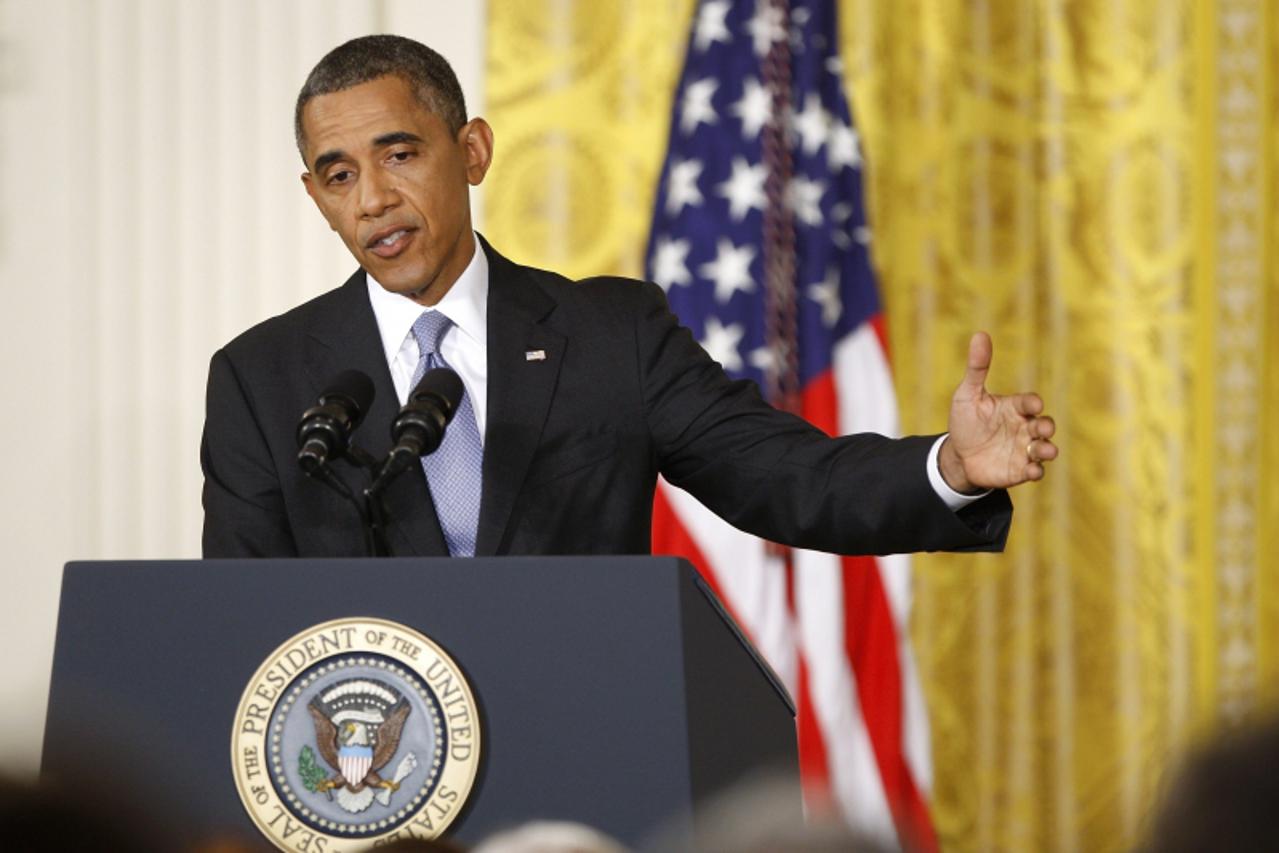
x=428 y=330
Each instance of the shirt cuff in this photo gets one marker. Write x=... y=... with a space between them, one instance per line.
x=953 y=499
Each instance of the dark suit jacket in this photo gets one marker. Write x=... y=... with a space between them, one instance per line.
x=573 y=443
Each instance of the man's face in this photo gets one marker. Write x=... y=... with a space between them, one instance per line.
x=392 y=181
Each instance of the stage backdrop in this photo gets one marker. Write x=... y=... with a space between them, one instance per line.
x=151 y=211
x=1094 y=183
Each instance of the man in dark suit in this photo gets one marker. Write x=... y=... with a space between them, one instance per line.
x=582 y=392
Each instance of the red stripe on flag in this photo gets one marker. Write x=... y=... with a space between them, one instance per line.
x=818 y=406
x=870 y=644
x=670 y=536
x=814 y=765
x=814 y=770
x=820 y=403
x=870 y=641
x=881 y=331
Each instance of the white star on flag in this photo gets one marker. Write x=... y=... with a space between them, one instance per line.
x=840 y=214
x=805 y=198
x=731 y=269
x=767 y=26
x=681 y=187
x=720 y=343
x=762 y=359
x=744 y=189
x=826 y=294
x=696 y=107
x=812 y=123
x=799 y=17
x=711 y=25
x=754 y=108
x=670 y=265
x=843 y=147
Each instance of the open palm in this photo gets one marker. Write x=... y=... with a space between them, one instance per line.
x=995 y=442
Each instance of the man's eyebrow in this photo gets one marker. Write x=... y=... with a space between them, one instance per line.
x=395 y=138
x=326 y=158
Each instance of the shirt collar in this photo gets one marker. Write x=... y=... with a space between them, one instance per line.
x=465 y=303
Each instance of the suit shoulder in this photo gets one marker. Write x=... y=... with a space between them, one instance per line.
x=609 y=293
x=618 y=287
x=618 y=293
x=284 y=329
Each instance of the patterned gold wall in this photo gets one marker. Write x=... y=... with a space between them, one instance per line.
x=1095 y=183
x=579 y=95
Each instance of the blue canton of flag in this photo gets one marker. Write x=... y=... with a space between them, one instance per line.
x=706 y=244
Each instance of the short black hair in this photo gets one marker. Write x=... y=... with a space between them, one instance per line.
x=370 y=57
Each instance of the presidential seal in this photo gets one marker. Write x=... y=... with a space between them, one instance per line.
x=354 y=732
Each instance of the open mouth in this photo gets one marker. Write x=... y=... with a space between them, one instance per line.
x=391 y=243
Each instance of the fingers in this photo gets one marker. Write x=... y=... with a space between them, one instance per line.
x=1041 y=450
x=980 y=349
x=1028 y=405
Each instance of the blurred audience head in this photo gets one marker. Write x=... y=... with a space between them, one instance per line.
x=764 y=815
x=550 y=837
x=419 y=845
x=1224 y=797
x=41 y=817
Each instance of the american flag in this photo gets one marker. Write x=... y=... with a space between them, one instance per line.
x=760 y=241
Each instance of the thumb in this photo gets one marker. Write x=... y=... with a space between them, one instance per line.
x=980 y=349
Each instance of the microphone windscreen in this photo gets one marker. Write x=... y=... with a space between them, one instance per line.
x=354 y=387
x=443 y=383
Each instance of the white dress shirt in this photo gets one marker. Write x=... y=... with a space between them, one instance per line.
x=465 y=348
x=465 y=344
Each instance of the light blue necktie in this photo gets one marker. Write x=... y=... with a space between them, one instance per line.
x=453 y=471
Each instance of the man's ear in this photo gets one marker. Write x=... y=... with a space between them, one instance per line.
x=476 y=139
x=308 y=181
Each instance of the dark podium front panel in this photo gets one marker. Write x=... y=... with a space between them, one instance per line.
x=612 y=691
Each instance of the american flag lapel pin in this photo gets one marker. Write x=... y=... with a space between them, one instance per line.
x=535 y=355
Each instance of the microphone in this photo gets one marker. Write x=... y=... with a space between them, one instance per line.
x=324 y=432
x=419 y=427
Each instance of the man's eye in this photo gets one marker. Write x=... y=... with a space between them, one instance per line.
x=401 y=156
x=340 y=177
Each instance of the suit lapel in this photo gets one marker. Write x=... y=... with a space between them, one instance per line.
x=343 y=337
x=519 y=390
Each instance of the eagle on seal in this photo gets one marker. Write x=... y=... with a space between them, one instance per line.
x=358 y=723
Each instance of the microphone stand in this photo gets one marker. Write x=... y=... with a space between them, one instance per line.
x=371 y=510
x=418 y=430
x=386 y=471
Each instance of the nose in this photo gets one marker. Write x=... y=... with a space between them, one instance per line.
x=377 y=194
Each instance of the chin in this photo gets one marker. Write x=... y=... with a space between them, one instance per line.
x=394 y=286
x=403 y=282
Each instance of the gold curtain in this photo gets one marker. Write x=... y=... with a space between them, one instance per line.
x=1095 y=183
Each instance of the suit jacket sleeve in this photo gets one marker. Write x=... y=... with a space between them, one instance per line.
x=244 y=511
x=775 y=475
